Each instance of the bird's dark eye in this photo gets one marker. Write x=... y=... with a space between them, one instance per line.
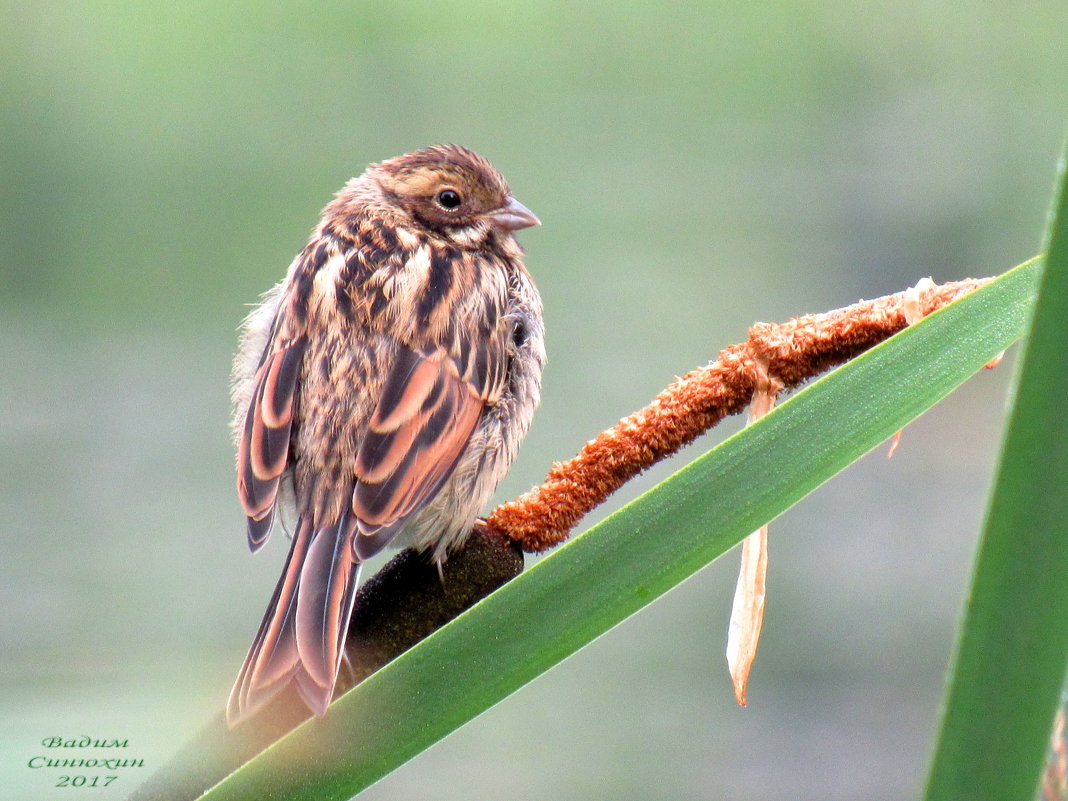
x=449 y=199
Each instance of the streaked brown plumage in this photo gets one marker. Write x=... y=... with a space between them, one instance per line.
x=380 y=392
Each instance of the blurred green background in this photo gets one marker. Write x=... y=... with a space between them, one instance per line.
x=697 y=167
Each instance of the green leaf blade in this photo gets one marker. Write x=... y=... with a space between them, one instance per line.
x=1013 y=646
x=598 y=579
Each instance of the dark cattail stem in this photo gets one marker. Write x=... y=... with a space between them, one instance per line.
x=403 y=603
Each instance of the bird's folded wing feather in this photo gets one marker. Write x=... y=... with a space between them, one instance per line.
x=428 y=409
x=263 y=450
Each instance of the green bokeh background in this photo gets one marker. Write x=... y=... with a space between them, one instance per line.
x=696 y=167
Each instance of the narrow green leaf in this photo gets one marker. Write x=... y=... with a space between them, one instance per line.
x=1013 y=646
x=636 y=554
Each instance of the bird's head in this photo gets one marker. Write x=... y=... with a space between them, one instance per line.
x=454 y=193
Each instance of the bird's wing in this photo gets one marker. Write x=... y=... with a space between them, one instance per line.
x=429 y=406
x=263 y=449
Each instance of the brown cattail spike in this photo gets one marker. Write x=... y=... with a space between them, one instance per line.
x=794 y=352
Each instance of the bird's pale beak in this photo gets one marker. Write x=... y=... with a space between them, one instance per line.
x=513 y=216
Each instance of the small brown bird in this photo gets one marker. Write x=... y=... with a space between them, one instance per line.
x=380 y=394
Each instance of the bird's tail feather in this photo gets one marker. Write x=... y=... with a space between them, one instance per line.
x=302 y=635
